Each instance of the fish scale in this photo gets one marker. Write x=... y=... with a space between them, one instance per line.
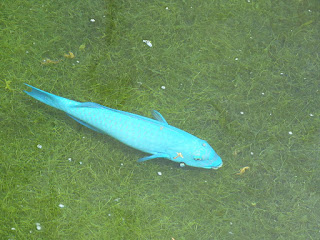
x=153 y=136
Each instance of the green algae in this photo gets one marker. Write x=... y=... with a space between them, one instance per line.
x=242 y=75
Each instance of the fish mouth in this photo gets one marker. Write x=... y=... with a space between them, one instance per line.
x=216 y=167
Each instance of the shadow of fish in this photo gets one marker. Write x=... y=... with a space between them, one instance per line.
x=155 y=137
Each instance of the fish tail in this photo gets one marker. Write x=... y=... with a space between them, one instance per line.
x=50 y=99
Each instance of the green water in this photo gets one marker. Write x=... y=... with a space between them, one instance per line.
x=243 y=75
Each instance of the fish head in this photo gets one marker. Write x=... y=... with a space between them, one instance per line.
x=202 y=155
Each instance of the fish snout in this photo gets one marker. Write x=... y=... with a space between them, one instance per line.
x=217 y=167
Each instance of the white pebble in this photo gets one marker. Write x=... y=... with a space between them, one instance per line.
x=167 y=8
x=163 y=87
x=69 y=159
x=61 y=205
x=13 y=229
x=92 y=20
x=236 y=59
x=38 y=226
x=182 y=164
x=251 y=153
x=39 y=146
x=147 y=42
x=311 y=115
x=290 y=133
x=159 y=173
x=80 y=163
x=262 y=93
x=241 y=113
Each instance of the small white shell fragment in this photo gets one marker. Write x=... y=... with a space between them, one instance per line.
x=182 y=164
x=39 y=146
x=80 y=163
x=69 y=159
x=311 y=115
x=92 y=20
x=61 y=205
x=147 y=42
x=290 y=133
x=38 y=226
x=167 y=8
x=251 y=153
x=241 y=113
x=159 y=173
x=13 y=229
x=163 y=87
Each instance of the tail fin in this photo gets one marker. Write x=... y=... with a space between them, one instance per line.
x=50 y=99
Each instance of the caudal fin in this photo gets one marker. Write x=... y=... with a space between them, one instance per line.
x=50 y=99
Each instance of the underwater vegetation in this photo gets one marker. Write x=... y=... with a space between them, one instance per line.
x=243 y=75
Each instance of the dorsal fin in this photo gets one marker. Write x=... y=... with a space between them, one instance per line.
x=158 y=116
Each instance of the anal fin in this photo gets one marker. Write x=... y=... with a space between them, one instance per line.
x=157 y=155
x=85 y=124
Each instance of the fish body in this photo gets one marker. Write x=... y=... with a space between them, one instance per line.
x=153 y=136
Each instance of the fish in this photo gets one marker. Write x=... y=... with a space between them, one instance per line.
x=152 y=136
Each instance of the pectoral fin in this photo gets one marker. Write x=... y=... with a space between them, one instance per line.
x=157 y=155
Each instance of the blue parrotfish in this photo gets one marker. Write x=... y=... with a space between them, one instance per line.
x=155 y=137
